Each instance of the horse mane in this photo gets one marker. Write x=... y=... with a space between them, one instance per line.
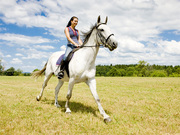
x=86 y=35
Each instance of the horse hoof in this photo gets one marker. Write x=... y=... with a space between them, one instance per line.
x=68 y=112
x=107 y=120
x=57 y=105
x=37 y=98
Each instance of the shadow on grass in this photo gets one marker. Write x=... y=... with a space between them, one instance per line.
x=75 y=107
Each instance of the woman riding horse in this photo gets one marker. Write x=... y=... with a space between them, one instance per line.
x=82 y=66
x=74 y=41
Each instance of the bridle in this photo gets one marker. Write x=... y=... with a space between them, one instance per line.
x=102 y=38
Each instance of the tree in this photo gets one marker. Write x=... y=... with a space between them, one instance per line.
x=131 y=71
x=27 y=74
x=142 y=68
x=1 y=67
x=141 y=64
x=178 y=70
x=169 y=70
x=36 y=70
x=10 y=71
x=113 y=72
x=159 y=73
x=122 y=72
x=18 y=72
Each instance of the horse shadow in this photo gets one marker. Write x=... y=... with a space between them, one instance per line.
x=75 y=107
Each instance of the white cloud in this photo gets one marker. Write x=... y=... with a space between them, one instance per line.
x=19 y=54
x=1 y=54
x=63 y=48
x=8 y=56
x=35 y=54
x=16 y=61
x=22 y=40
x=4 y=56
x=103 y=52
x=135 y=23
x=170 y=47
x=44 y=47
x=128 y=45
x=140 y=19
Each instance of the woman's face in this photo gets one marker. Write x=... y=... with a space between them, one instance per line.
x=74 y=22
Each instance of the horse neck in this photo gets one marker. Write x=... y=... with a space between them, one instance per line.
x=92 y=43
x=90 y=50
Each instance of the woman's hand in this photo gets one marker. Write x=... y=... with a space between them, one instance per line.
x=77 y=45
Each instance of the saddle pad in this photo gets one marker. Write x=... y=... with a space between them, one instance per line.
x=60 y=59
x=68 y=58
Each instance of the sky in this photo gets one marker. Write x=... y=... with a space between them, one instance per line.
x=31 y=30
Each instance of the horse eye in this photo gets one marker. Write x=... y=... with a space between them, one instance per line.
x=101 y=29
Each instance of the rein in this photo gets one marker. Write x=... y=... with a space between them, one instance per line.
x=90 y=46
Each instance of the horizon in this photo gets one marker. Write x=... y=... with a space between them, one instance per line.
x=30 y=31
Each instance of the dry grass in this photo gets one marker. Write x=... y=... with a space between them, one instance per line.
x=136 y=106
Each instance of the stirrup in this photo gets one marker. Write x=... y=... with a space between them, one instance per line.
x=60 y=74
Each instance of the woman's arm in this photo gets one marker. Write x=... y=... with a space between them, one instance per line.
x=66 y=31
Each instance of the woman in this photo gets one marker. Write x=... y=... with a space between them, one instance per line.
x=74 y=41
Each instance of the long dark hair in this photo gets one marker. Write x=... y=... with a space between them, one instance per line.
x=69 y=23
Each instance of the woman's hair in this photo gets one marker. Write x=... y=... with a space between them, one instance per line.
x=69 y=23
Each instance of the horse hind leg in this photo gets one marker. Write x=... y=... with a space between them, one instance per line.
x=46 y=79
x=59 y=85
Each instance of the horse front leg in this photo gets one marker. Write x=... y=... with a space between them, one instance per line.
x=92 y=85
x=69 y=94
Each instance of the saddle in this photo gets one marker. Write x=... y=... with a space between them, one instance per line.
x=68 y=59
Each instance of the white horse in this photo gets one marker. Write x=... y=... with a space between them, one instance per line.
x=82 y=65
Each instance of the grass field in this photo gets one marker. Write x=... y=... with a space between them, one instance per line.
x=142 y=106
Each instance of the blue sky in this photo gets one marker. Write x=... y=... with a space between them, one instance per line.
x=31 y=30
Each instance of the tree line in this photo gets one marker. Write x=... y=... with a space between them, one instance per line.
x=11 y=71
x=142 y=69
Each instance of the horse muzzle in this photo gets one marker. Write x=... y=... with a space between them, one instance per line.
x=112 y=46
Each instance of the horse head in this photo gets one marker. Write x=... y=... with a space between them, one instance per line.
x=105 y=36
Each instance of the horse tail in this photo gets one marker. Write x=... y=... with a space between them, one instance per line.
x=36 y=74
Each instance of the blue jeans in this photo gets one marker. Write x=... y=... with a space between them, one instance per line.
x=69 y=48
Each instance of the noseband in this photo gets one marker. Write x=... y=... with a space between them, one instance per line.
x=109 y=37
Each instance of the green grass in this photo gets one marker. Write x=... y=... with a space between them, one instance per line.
x=135 y=105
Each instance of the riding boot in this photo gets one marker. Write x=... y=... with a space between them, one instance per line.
x=61 y=73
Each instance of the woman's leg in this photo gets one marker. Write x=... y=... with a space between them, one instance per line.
x=63 y=62
x=68 y=50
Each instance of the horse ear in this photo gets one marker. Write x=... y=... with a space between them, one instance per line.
x=106 y=20
x=99 y=19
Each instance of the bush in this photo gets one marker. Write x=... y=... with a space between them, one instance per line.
x=159 y=73
x=131 y=71
x=122 y=72
x=113 y=72
x=174 y=75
